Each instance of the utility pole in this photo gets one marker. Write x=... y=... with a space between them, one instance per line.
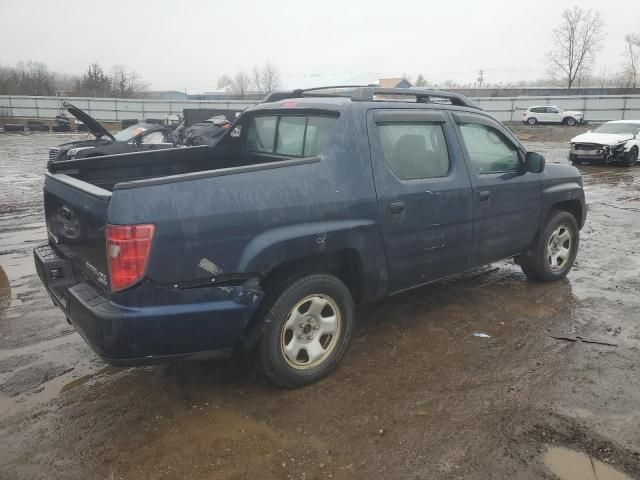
x=480 y=80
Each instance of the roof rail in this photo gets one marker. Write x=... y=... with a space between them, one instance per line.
x=300 y=92
x=368 y=94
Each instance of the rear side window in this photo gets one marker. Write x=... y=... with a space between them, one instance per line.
x=414 y=150
x=289 y=135
x=318 y=131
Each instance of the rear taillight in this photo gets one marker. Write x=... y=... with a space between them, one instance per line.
x=128 y=248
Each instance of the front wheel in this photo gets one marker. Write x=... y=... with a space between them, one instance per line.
x=570 y=121
x=307 y=330
x=632 y=157
x=554 y=251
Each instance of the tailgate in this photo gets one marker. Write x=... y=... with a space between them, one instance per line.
x=76 y=214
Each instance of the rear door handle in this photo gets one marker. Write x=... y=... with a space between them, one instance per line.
x=396 y=208
x=484 y=196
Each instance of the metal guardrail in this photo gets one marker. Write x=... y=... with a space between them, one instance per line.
x=595 y=107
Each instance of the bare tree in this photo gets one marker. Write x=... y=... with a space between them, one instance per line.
x=270 y=77
x=632 y=59
x=30 y=78
x=125 y=83
x=604 y=77
x=224 y=81
x=576 y=41
x=420 y=81
x=241 y=83
x=256 y=79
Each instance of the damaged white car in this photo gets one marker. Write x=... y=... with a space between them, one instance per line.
x=611 y=142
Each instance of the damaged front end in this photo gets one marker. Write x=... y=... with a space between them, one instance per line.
x=590 y=152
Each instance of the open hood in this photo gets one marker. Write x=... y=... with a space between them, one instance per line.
x=91 y=123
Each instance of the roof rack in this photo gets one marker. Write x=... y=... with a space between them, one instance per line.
x=303 y=92
x=368 y=94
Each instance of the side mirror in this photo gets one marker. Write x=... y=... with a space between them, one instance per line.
x=534 y=162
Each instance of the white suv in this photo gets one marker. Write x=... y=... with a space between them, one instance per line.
x=551 y=114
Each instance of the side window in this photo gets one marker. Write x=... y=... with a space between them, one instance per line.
x=489 y=150
x=261 y=133
x=318 y=131
x=153 y=137
x=414 y=150
x=290 y=136
x=551 y=110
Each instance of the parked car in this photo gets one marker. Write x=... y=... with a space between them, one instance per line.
x=306 y=207
x=136 y=138
x=61 y=123
x=611 y=142
x=551 y=114
x=191 y=132
x=207 y=132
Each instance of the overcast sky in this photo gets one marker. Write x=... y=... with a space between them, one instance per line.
x=188 y=44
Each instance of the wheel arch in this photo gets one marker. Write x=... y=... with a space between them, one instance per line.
x=345 y=264
x=574 y=207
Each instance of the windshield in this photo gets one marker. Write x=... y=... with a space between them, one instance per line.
x=630 y=128
x=129 y=133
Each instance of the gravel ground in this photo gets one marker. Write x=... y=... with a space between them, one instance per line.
x=416 y=397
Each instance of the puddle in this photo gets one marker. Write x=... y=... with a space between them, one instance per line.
x=569 y=464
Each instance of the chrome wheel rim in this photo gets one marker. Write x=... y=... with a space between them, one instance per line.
x=311 y=332
x=559 y=248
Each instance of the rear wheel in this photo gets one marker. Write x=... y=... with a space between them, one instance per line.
x=554 y=251
x=532 y=120
x=307 y=330
x=632 y=157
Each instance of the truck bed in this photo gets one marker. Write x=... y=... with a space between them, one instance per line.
x=107 y=171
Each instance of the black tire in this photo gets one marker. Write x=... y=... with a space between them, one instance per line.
x=570 y=121
x=537 y=262
x=632 y=157
x=532 y=120
x=13 y=127
x=285 y=371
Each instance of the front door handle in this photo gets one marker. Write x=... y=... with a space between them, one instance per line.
x=484 y=196
x=396 y=208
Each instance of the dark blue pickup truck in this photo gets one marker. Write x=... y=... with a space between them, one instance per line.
x=309 y=205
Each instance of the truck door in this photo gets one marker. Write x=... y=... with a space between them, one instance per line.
x=506 y=197
x=424 y=194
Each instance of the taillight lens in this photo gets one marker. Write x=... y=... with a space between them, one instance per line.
x=128 y=249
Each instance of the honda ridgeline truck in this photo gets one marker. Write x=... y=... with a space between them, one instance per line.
x=309 y=205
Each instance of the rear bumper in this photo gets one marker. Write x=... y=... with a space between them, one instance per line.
x=122 y=335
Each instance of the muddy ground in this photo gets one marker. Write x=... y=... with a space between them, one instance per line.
x=416 y=397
